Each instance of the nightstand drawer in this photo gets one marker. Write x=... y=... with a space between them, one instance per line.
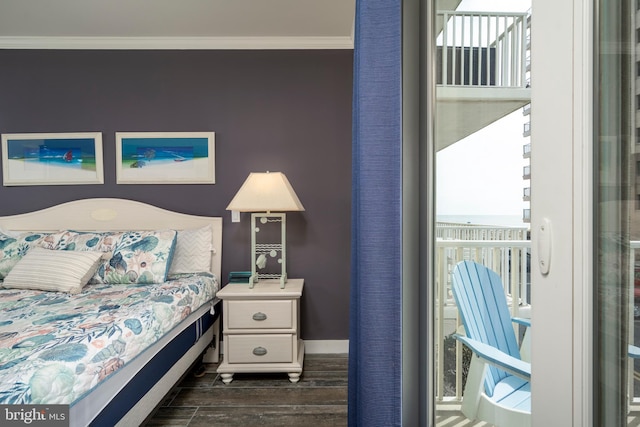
x=276 y=314
x=259 y=348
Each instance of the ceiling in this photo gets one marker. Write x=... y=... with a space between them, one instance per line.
x=179 y=24
x=462 y=111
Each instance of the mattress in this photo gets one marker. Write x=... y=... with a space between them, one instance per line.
x=57 y=348
x=118 y=396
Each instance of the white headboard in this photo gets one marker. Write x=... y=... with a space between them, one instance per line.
x=110 y=214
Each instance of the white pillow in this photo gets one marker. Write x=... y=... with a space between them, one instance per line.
x=51 y=270
x=192 y=253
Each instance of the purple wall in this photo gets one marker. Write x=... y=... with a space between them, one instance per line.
x=286 y=111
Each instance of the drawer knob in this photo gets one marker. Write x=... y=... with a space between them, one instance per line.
x=259 y=316
x=259 y=351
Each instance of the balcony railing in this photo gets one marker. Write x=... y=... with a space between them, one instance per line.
x=482 y=49
x=457 y=231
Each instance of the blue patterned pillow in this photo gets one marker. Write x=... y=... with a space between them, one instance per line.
x=139 y=257
x=69 y=240
x=14 y=247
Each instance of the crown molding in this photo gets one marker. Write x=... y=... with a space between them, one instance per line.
x=176 y=43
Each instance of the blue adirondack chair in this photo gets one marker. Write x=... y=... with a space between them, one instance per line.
x=498 y=389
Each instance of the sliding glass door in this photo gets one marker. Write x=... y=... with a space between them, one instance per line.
x=616 y=214
x=483 y=170
x=583 y=209
x=578 y=174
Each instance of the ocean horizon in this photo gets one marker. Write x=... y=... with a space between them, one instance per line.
x=497 y=220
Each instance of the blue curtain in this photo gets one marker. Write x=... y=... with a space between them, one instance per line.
x=376 y=297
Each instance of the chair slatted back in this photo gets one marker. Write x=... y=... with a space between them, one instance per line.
x=482 y=305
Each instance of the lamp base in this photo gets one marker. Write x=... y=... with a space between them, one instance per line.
x=256 y=278
x=272 y=246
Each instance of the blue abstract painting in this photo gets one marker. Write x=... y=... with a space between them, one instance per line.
x=165 y=158
x=50 y=159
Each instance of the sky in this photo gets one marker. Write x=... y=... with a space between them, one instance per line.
x=482 y=174
x=495 y=5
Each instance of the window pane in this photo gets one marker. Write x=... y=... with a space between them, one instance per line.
x=483 y=156
x=617 y=230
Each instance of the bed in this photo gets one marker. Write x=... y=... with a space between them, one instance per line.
x=113 y=348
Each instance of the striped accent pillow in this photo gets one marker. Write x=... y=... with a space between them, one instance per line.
x=51 y=270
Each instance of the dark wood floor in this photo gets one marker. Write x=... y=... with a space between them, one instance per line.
x=318 y=399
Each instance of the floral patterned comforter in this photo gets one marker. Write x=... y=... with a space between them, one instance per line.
x=56 y=347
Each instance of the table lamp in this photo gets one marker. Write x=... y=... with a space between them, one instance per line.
x=261 y=193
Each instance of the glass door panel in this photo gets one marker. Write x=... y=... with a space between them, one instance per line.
x=578 y=184
x=483 y=169
x=617 y=218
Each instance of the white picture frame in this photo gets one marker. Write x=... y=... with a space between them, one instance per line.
x=165 y=157
x=52 y=158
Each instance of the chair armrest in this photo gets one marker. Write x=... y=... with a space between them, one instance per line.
x=521 y=321
x=497 y=358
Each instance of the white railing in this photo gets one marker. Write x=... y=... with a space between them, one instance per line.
x=482 y=48
x=457 y=231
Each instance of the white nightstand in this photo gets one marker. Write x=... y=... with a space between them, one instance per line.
x=262 y=328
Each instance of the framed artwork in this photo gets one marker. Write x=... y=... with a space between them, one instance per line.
x=165 y=157
x=52 y=159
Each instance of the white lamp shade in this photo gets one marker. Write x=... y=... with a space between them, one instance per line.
x=266 y=192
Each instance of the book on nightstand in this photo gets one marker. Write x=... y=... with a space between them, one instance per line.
x=239 y=276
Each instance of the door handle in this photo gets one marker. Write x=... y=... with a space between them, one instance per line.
x=544 y=246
